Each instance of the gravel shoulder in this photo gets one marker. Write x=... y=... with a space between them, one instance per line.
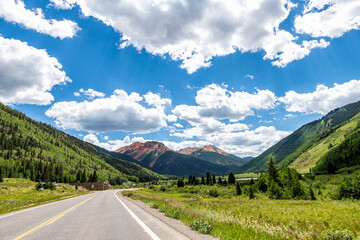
x=160 y=224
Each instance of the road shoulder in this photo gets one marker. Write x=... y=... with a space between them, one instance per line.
x=160 y=224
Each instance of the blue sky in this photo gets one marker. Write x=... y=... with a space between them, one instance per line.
x=237 y=74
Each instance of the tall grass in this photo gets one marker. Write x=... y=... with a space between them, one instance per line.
x=230 y=217
x=18 y=193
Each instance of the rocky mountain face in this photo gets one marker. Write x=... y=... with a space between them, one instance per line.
x=159 y=158
x=213 y=154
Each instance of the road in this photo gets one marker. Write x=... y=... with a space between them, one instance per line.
x=99 y=215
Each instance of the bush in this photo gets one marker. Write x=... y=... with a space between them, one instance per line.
x=151 y=187
x=38 y=186
x=201 y=227
x=350 y=188
x=163 y=188
x=49 y=185
x=155 y=205
x=173 y=214
x=213 y=192
x=339 y=235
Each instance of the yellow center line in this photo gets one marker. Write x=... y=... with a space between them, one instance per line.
x=51 y=220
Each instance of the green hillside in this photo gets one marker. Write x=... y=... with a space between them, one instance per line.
x=37 y=151
x=291 y=143
x=306 y=156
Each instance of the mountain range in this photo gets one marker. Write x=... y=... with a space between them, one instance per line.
x=161 y=159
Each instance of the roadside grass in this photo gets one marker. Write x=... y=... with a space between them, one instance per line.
x=19 y=193
x=236 y=217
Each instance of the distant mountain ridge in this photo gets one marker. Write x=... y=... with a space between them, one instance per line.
x=161 y=159
x=285 y=148
x=213 y=154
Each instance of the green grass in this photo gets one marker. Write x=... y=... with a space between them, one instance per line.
x=237 y=217
x=18 y=193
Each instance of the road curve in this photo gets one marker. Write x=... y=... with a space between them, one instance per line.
x=99 y=215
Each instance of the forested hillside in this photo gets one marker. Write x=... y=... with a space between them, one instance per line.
x=40 y=152
x=309 y=154
x=291 y=143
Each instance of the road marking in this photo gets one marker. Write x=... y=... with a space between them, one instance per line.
x=51 y=220
x=148 y=230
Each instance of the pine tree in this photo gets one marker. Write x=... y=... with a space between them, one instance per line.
x=238 y=189
x=219 y=180
x=272 y=171
x=180 y=183
x=214 y=179
x=251 y=192
x=94 y=177
x=202 y=179
x=1 y=176
x=208 y=178
x=231 y=178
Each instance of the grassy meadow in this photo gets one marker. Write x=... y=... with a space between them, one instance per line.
x=218 y=211
x=19 y=193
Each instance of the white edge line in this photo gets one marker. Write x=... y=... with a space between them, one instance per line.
x=32 y=208
x=148 y=230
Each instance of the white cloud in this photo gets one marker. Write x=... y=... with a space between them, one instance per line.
x=27 y=74
x=118 y=112
x=62 y=4
x=328 y=18
x=323 y=99
x=111 y=145
x=14 y=11
x=194 y=32
x=178 y=125
x=217 y=102
x=90 y=93
x=250 y=142
x=153 y=99
x=249 y=76
x=282 y=48
x=171 y=118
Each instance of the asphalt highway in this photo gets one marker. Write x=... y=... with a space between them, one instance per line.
x=99 y=215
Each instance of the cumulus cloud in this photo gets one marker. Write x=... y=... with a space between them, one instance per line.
x=217 y=102
x=194 y=32
x=111 y=145
x=118 y=112
x=27 y=74
x=153 y=99
x=324 y=99
x=328 y=18
x=282 y=48
x=90 y=93
x=14 y=11
x=62 y=4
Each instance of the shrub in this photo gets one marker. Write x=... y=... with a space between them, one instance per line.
x=155 y=205
x=163 y=188
x=49 y=185
x=201 y=227
x=338 y=235
x=350 y=188
x=213 y=192
x=173 y=214
x=38 y=186
x=151 y=187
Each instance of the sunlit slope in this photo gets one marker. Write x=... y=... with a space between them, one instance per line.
x=287 y=146
x=312 y=151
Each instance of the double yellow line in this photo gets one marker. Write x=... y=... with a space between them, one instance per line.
x=53 y=219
